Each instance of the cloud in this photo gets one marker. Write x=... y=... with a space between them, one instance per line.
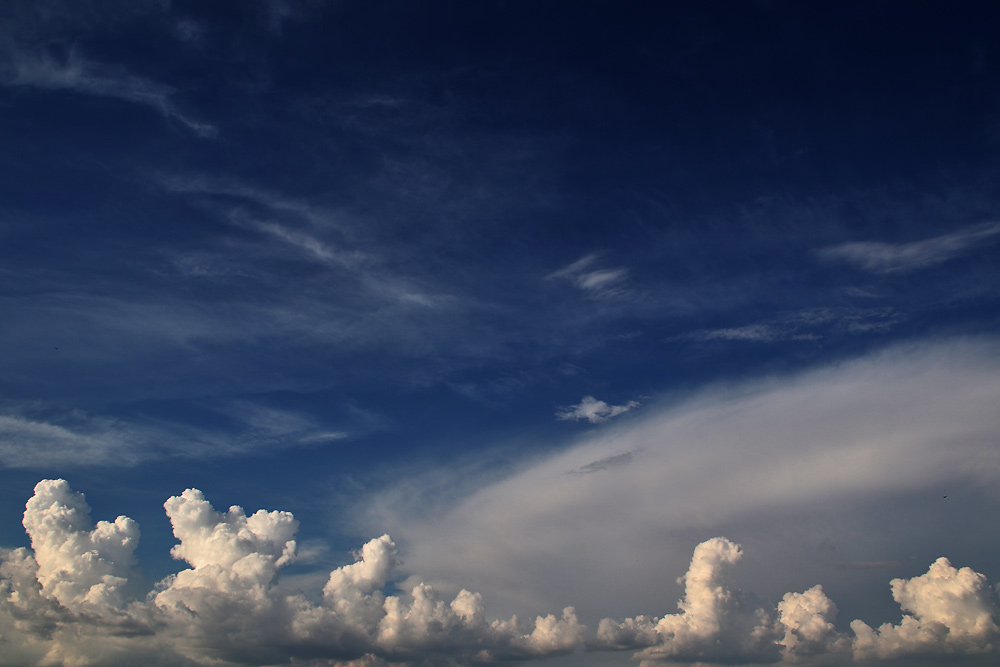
x=779 y=462
x=950 y=611
x=877 y=257
x=804 y=325
x=756 y=332
x=80 y=439
x=614 y=461
x=33 y=436
x=593 y=410
x=88 y=78
x=596 y=282
x=714 y=624
x=72 y=599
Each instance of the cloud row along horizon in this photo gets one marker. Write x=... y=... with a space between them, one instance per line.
x=70 y=599
x=555 y=334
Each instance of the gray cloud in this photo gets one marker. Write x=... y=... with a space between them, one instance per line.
x=787 y=457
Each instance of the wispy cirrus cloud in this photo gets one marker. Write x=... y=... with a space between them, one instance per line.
x=593 y=279
x=877 y=257
x=79 y=75
x=804 y=325
x=35 y=436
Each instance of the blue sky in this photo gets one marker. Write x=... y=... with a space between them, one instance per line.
x=569 y=299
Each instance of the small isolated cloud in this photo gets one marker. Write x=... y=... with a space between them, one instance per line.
x=877 y=257
x=757 y=332
x=592 y=279
x=88 y=78
x=593 y=410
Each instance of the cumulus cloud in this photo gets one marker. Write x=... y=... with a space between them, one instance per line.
x=71 y=599
x=593 y=410
x=780 y=463
x=879 y=257
x=950 y=611
x=715 y=623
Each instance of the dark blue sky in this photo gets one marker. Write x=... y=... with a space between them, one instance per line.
x=366 y=262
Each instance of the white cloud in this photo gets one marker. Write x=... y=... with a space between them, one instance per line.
x=88 y=78
x=879 y=257
x=79 y=439
x=71 y=600
x=808 y=634
x=715 y=623
x=597 y=282
x=593 y=410
x=949 y=611
x=758 y=332
x=780 y=463
x=46 y=437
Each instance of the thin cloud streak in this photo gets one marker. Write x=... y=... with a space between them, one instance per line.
x=88 y=78
x=887 y=258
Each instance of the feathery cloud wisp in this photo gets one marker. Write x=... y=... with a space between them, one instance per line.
x=88 y=78
x=879 y=257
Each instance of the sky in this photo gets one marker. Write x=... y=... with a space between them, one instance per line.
x=442 y=334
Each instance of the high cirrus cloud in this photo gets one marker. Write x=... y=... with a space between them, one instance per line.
x=878 y=257
x=71 y=600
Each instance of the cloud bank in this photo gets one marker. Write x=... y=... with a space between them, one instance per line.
x=71 y=600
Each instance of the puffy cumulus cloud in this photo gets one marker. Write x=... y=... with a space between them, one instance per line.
x=84 y=569
x=950 y=611
x=593 y=410
x=808 y=635
x=69 y=600
x=715 y=622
